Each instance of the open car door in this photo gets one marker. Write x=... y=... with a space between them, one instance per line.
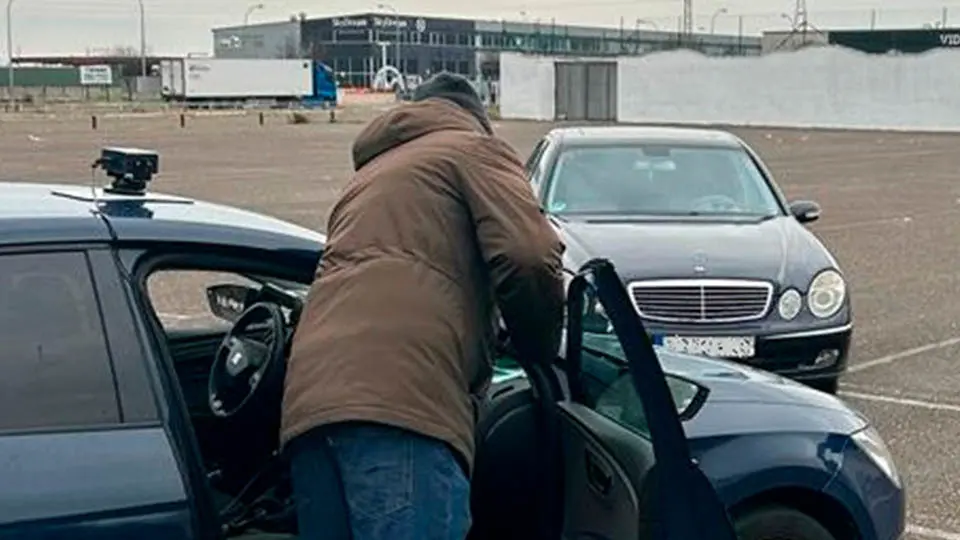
x=628 y=473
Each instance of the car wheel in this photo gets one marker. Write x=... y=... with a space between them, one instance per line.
x=829 y=386
x=780 y=523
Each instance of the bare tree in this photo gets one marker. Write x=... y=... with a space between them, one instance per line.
x=125 y=50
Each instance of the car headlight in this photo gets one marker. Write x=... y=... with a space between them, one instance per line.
x=827 y=294
x=870 y=442
x=790 y=304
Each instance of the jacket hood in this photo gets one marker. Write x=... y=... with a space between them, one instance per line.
x=407 y=122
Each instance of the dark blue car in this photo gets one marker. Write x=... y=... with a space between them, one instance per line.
x=144 y=339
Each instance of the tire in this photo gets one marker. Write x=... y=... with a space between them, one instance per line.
x=829 y=386
x=780 y=523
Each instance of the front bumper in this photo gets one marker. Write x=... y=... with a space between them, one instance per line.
x=804 y=355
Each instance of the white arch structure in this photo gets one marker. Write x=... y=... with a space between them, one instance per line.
x=388 y=78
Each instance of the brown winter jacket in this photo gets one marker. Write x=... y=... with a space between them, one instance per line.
x=437 y=226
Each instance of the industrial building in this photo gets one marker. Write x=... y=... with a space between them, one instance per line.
x=896 y=41
x=357 y=46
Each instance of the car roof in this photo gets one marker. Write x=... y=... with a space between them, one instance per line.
x=35 y=214
x=588 y=135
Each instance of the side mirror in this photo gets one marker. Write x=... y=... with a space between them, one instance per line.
x=228 y=301
x=805 y=211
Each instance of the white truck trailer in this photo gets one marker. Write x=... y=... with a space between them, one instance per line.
x=233 y=81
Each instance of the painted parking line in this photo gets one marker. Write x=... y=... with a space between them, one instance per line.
x=908 y=402
x=890 y=358
x=934 y=534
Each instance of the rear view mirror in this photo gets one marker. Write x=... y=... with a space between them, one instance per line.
x=805 y=211
x=228 y=301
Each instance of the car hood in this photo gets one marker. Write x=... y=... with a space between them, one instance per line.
x=743 y=399
x=779 y=249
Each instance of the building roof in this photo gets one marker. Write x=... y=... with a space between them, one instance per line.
x=503 y=25
x=83 y=60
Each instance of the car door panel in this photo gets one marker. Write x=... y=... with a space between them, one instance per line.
x=623 y=481
x=605 y=458
x=104 y=484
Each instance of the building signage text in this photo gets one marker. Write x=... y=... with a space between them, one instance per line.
x=345 y=23
x=950 y=40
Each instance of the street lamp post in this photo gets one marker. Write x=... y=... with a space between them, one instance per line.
x=10 y=75
x=250 y=10
x=143 y=39
x=396 y=31
x=713 y=18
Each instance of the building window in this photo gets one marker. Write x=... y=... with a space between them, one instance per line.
x=434 y=38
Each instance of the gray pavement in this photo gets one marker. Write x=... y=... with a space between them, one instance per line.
x=891 y=216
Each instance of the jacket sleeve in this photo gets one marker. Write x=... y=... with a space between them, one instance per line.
x=521 y=248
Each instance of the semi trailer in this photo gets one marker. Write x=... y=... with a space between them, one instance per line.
x=231 y=82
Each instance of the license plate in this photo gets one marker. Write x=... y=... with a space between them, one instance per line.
x=717 y=347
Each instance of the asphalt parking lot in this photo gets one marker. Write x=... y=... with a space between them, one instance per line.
x=891 y=216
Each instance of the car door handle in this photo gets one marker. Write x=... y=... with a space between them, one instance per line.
x=599 y=478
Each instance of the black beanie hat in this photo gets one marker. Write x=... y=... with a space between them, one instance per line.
x=455 y=88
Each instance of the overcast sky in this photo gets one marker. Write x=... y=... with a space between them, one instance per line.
x=183 y=26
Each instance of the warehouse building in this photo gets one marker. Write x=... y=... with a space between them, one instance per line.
x=902 y=41
x=357 y=46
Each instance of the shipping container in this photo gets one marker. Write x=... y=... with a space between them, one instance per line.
x=229 y=78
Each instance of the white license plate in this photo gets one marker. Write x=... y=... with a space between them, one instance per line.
x=717 y=347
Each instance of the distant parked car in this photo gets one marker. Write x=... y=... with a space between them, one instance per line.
x=717 y=262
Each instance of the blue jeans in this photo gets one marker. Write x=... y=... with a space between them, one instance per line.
x=365 y=481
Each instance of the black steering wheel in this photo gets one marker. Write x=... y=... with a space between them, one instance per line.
x=249 y=359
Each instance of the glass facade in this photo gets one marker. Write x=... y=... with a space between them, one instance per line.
x=357 y=46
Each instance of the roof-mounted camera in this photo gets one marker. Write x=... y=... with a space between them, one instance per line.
x=131 y=169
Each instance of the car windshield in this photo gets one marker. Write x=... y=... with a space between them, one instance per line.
x=660 y=180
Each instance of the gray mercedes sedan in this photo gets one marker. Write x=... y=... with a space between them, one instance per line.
x=717 y=261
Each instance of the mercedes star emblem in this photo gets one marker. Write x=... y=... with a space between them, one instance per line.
x=699 y=263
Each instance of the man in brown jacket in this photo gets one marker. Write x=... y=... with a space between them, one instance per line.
x=437 y=229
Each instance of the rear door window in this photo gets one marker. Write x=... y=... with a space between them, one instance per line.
x=56 y=364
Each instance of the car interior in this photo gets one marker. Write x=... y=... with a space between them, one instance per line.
x=231 y=379
x=250 y=487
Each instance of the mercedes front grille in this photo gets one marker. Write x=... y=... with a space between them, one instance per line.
x=701 y=300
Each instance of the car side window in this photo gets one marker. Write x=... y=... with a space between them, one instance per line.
x=606 y=382
x=56 y=364
x=179 y=298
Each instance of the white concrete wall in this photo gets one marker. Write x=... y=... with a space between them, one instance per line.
x=526 y=87
x=813 y=87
